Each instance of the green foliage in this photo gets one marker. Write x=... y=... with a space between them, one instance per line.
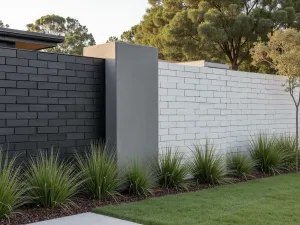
x=240 y=165
x=282 y=52
x=52 y=183
x=127 y=36
x=268 y=156
x=76 y=35
x=12 y=189
x=208 y=167
x=171 y=170
x=287 y=143
x=112 y=39
x=100 y=178
x=222 y=31
x=138 y=181
x=2 y=25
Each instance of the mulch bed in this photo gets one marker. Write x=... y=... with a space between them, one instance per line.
x=33 y=214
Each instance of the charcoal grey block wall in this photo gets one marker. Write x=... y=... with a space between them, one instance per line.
x=50 y=100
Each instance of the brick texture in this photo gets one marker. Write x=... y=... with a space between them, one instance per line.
x=225 y=106
x=50 y=100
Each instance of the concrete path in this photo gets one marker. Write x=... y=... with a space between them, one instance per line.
x=85 y=219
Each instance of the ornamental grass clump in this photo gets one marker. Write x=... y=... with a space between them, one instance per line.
x=207 y=167
x=52 y=183
x=240 y=165
x=171 y=170
x=12 y=188
x=287 y=144
x=268 y=155
x=100 y=179
x=138 y=181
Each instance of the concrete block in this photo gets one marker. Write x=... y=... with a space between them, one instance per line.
x=16 y=61
x=26 y=54
x=66 y=73
x=27 y=69
x=38 y=63
x=57 y=79
x=36 y=93
x=8 y=68
x=26 y=84
x=47 y=86
x=26 y=115
x=74 y=66
x=47 y=56
x=47 y=71
x=27 y=100
x=7 y=99
x=57 y=65
x=38 y=108
x=66 y=58
x=47 y=130
x=8 y=52
x=25 y=130
x=17 y=123
x=16 y=108
x=57 y=94
x=38 y=123
x=44 y=100
x=38 y=77
x=16 y=76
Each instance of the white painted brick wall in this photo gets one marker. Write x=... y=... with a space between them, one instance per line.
x=224 y=106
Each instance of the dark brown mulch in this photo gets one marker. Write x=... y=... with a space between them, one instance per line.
x=33 y=214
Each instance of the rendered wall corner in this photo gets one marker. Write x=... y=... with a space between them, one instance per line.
x=131 y=100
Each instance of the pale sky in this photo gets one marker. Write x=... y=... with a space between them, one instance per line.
x=103 y=18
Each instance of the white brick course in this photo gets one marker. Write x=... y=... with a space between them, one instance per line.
x=224 y=106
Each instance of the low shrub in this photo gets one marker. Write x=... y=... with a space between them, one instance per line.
x=240 y=165
x=287 y=143
x=99 y=168
x=12 y=189
x=138 y=181
x=267 y=154
x=52 y=183
x=206 y=166
x=170 y=170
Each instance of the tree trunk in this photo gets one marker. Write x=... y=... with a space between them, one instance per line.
x=234 y=65
x=297 y=136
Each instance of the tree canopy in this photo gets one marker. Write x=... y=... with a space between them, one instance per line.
x=76 y=35
x=282 y=52
x=126 y=36
x=112 y=39
x=2 y=25
x=213 y=30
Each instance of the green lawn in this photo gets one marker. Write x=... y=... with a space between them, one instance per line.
x=273 y=201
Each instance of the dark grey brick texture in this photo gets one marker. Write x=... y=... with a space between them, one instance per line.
x=27 y=54
x=8 y=52
x=16 y=61
x=50 y=100
x=2 y=60
x=2 y=75
x=16 y=76
x=38 y=63
x=27 y=69
x=47 y=71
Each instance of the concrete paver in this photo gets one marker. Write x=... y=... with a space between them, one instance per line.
x=85 y=219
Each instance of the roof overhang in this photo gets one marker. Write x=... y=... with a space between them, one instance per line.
x=29 y=40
